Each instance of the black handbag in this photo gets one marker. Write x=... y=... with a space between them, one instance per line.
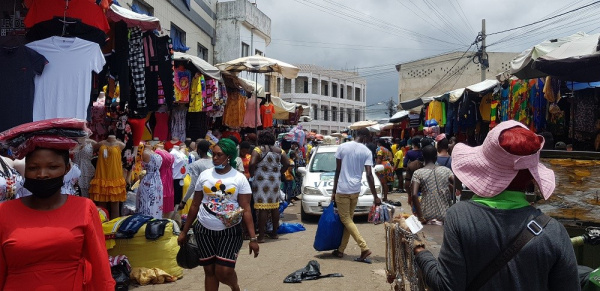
x=188 y=256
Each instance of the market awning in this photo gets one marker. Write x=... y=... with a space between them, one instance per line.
x=410 y=104
x=455 y=95
x=576 y=86
x=204 y=67
x=133 y=19
x=284 y=108
x=251 y=87
x=398 y=116
x=521 y=65
x=577 y=60
x=483 y=86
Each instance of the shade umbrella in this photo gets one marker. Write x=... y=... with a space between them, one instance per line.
x=259 y=64
x=398 y=116
x=200 y=64
x=362 y=124
x=578 y=60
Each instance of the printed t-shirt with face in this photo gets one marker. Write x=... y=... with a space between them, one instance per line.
x=64 y=88
x=355 y=156
x=19 y=67
x=220 y=195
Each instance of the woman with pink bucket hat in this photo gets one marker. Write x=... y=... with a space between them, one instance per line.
x=497 y=240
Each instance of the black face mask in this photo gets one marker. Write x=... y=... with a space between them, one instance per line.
x=44 y=188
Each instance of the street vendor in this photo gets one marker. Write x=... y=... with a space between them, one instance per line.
x=476 y=232
x=48 y=240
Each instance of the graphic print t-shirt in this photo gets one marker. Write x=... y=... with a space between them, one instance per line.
x=220 y=195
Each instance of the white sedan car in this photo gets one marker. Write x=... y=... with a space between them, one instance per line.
x=317 y=184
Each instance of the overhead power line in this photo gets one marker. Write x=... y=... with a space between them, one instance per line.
x=545 y=19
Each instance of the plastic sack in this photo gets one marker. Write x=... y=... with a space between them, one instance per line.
x=188 y=256
x=49 y=142
x=329 y=230
x=71 y=123
x=290 y=228
x=65 y=132
x=296 y=134
x=312 y=271
x=130 y=205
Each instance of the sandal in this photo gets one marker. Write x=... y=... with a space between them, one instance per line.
x=337 y=254
x=364 y=257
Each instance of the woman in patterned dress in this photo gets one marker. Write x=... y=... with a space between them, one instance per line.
x=267 y=165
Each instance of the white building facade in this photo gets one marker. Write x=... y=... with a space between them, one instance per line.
x=243 y=30
x=336 y=98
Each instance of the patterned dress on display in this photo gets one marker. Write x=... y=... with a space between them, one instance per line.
x=149 y=194
x=83 y=158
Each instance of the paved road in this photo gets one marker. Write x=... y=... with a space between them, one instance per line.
x=279 y=258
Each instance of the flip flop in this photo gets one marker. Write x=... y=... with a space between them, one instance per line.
x=365 y=260
x=337 y=254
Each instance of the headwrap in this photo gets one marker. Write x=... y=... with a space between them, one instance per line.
x=230 y=149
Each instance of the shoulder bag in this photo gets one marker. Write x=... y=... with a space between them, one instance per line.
x=533 y=229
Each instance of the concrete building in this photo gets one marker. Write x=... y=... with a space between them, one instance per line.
x=194 y=25
x=336 y=98
x=243 y=30
x=421 y=78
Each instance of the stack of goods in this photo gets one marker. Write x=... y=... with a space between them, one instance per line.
x=58 y=133
x=401 y=266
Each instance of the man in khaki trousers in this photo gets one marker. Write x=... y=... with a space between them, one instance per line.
x=351 y=159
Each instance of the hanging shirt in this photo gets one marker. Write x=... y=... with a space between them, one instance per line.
x=485 y=107
x=179 y=169
x=196 y=94
x=435 y=111
x=86 y=10
x=19 y=67
x=64 y=88
x=183 y=79
x=267 y=112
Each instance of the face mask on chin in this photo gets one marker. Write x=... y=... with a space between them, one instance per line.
x=221 y=166
x=44 y=188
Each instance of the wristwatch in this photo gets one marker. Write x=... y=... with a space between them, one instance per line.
x=253 y=239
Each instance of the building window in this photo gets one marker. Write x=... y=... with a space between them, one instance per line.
x=323 y=132
x=315 y=110
x=278 y=84
x=178 y=38
x=349 y=113
x=245 y=49
x=334 y=88
x=342 y=92
x=325 y=113
x=202 y=52
x=325 y=89
x=356 y=115
x=267 y=83
x=142 y=7
x=342 y=112
x=357 y=94
x=257 y=52
x=305 y=86
x=334 y=113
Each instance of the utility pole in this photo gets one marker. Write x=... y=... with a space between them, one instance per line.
x=482 y=63
x=390 y=107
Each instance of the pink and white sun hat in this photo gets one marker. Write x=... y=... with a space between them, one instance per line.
x=488 y=169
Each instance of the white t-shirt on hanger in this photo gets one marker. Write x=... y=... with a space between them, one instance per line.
x=64 y=88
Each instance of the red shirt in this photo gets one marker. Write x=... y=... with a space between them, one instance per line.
x=267 y=111
x=87 y=11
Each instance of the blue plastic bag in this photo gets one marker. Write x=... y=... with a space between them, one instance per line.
x=290 y=228
x=329 y=231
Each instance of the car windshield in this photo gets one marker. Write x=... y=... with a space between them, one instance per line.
x=323 y=162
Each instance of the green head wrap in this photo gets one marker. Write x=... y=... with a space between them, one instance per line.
x=230 y=149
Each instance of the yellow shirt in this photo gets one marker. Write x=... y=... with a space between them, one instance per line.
x=394 y=149
x=485 y=108
x=399 y=159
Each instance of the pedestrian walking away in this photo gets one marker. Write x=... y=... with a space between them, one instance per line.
x=352 y=158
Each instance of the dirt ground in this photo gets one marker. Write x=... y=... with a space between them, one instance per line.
x=279 y=258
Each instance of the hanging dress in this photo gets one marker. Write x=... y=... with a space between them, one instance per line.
x=161 y=129
x=178 y=115
x=266 y=185
x=83 y=159
x=251 y=112
x=166 y=176
x=234 y=110
x=108 y=184
x=150 y=192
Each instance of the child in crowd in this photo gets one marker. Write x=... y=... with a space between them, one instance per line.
x=289 y=177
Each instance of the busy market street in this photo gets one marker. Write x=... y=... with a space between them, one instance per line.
x=299 y=145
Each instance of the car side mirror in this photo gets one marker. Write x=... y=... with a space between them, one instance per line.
x=302 y=170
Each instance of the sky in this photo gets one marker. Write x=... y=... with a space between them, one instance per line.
x=372 y=36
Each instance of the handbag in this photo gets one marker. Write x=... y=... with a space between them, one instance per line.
x=188 y=256
x=533 y=228
x=228 y=218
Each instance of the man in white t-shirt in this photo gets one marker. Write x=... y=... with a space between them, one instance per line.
x=351 y=159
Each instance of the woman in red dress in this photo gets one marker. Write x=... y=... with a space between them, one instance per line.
x=50 y=241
